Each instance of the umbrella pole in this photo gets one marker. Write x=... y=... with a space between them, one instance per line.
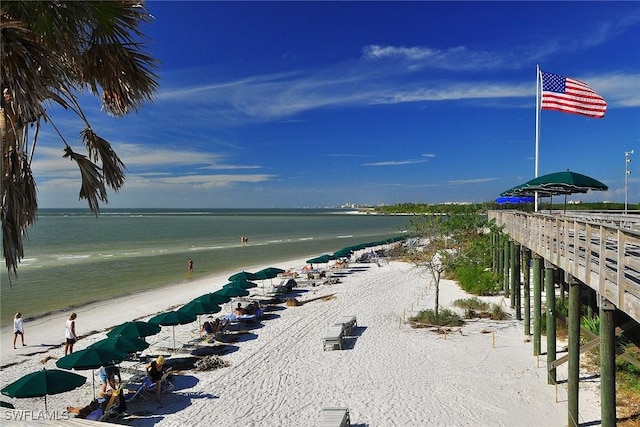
x=174 y=337
x=45 y=404
x=93 y=380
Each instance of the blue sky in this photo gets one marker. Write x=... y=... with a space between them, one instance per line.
x=313 y=104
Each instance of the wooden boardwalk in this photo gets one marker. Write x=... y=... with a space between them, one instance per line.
x=600 y=250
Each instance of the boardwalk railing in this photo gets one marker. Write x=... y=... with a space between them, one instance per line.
x=602 y=255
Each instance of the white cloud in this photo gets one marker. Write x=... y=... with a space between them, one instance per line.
x=396 y=162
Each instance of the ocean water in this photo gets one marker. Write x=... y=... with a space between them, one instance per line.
x=73 y=258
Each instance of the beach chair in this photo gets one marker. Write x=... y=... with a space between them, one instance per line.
x=113 y=410
x=348 y=324
x=333 y=337
x=138 y=392
x=165 y=384
x=334 y=417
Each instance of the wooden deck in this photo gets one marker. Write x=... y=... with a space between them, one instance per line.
x=600 y=250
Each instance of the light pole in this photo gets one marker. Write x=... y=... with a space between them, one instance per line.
x=627 y=160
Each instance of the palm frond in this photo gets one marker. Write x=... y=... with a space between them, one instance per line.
x=100 y=150
x=92 y=187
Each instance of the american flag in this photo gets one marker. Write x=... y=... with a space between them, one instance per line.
x=569 y=95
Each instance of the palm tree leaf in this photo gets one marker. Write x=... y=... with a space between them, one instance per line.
x=100 y=150
x=92 y=187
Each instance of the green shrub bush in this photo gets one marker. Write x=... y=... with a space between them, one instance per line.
x=445 y=317
x=475 y=280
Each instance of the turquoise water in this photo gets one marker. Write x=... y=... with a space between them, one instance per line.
x=73 y=258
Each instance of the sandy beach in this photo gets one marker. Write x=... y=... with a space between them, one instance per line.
x=387 y=374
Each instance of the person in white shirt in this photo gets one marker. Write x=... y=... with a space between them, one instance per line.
x=18 y=329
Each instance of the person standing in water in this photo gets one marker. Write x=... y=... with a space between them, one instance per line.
x=18 y=329
x=190 y=265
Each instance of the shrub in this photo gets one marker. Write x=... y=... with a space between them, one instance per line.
x=471 y=306
x=475 y=280
x=444 y=318
x=497 y=313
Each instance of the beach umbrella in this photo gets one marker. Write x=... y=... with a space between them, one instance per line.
x=243 y=275
x=135 y=329
x=173 y=318
x=268 y=273
x=200 y=306
x=232 y=291
x=322 y=259
x=214 y=299
x=343 y=253
x=241 y=284
x=43 y=383
x=91 y=358
x=122 y=343
x=4 y=404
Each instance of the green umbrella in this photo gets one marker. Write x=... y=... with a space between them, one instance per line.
x=268 y=273
x=232 y=291
x=173 y=318
x=241 y=284
x=122 y=343
x=44 y=382
x=200 y=306
x=243 y=275
x=4 y=404
x=214 y=299
x=343 y=253
x=91 y=358
x=322 y=259
x=135 y=329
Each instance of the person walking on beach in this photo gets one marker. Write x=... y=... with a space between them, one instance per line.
x=190 y=265
x=18 y=329
x=70 y=334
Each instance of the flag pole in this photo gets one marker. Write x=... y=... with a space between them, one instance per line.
x=538 y=89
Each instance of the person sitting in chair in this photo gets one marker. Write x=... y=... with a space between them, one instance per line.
x=239 y=310
x=155 y=370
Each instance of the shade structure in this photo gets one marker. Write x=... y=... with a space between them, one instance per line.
x=135 y=329
x=122 y=343
x=200 y=306
x=566 y=182
x=91 y=358
x=241 y=284
x=43 y=383
x=322 y=259
x=243 y=275
x=343 y=253
x=268 y=273
x=215 y=299
x=4 y=404
x=232 y=291
x=173 y=318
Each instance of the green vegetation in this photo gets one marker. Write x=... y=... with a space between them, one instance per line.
x=474 y=307
x=445 y=317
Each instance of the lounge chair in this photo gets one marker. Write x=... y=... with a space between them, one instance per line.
x=333 y=337
x=167 y=386
x=113 y=411
x=138 y=391
x=334 y=417
x=348 y=324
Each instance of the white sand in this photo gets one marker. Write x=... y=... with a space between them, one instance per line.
x=389 y=374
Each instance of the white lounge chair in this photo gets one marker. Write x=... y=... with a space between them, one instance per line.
x=333 y=337
x=348 y=324
x=334 y=417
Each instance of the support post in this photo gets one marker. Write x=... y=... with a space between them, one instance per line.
x=607 y=364
x=574 y=351
x=537 y=305
x=513 y=255
x=526 y=260
x=550 y=303
x=518 y=282
x=505 y=271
